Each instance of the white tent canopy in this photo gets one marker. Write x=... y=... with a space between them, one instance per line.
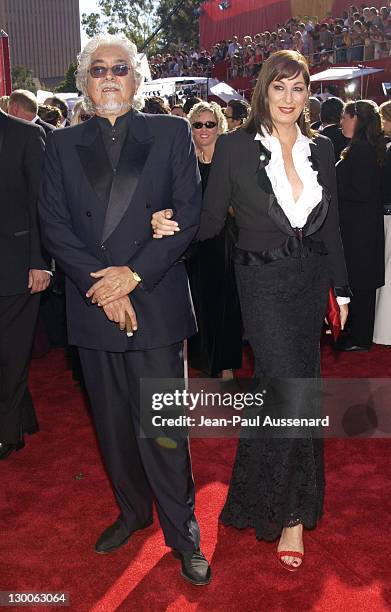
x=343 y=74
x=203 y=85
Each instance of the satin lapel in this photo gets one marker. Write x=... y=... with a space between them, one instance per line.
x=275 y=211
x=263 y=160
x=316 y=165
x=95 y=162
x=134 y=155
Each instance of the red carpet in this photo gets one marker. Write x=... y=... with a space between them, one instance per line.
x=56 y=500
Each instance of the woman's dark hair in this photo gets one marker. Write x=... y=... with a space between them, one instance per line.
x=59 y=103
x=239 y=108
x=50 y=114
x=331 y=110
x=156 y=106
x=190 y=102
x=280 y=65
x=368 y=127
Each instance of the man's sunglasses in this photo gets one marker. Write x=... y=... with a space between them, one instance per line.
x=99 y=72
x=198 y=125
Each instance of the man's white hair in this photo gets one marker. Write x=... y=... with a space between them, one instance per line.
x=84 y=64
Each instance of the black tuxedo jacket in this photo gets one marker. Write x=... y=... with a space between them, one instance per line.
x=238 y=178
x=21 y=158
x=92 y=218
x=47 y=127
x=340 y=142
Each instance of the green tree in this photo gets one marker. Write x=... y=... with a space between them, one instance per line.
x=68 y=85
x=182 y=29
x=22 y=78
x=91 y=23
x=134 y=19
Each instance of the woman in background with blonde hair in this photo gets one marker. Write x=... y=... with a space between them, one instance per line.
x=382 y=329
x=217 y=348
x=79 y=113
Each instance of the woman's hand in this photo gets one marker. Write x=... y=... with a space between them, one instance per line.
x=161 y=224
x=343 y=313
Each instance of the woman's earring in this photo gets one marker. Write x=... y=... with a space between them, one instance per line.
x=306 y=113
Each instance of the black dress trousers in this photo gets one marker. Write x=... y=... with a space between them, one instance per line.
x=361 y=320
x=139 y=468
x=18 y=317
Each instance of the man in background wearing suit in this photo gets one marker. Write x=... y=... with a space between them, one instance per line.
x=22 y=274
x=102 y=180
x=330 y=115
x=23 y=104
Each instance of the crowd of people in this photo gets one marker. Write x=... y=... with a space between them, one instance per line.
x=256 y=263
x=360 y=34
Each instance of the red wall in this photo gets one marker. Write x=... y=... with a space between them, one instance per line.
x=244 y=17
x=5 y=71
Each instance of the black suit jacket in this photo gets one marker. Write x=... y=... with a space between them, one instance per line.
x=21 y=158
x=238 y=178
x=47 y=127
x=91 y=220
x=361 y=213
x=340 y=142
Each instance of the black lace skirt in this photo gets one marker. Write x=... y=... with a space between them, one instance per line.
x=279 y=483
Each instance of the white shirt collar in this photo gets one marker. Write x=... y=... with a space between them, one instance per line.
x=35 y=119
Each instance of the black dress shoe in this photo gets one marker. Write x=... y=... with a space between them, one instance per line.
x=115 y=536
x=7 y=449
x=195 y=567
x=347 y=344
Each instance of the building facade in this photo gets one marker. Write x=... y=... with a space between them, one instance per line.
x=44 y=35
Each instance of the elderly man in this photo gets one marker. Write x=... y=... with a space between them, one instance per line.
x=102 y=180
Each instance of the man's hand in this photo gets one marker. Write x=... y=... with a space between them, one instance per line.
x=116 y=282
x=122 y=312
x=38 y=280
x=161 y=224
x=343 y=313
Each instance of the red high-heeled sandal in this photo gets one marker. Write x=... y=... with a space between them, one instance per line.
x=290 y=553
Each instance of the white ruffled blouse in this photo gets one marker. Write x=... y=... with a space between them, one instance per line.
x=297 y=212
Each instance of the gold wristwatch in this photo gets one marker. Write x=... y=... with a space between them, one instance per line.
x=136 y=277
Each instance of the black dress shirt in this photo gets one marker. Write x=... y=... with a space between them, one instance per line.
x=114 y=136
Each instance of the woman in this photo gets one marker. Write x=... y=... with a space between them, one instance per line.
x=361 y=216
x=382 y=330
x=280 y=179
x=339 y=45
x=217 y=348
x=79 y=113
x=156 y=106
x=50 y=114
x=297 y=42
x=356 y=51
